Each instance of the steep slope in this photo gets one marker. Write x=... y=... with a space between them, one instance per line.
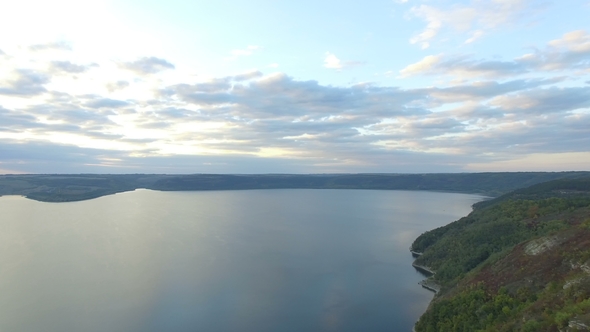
x=520 y=262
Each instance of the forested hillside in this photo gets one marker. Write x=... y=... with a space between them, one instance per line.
x=520 y=262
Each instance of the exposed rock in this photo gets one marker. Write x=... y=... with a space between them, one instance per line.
x=582 y=266
x=423 y=269
x=430 y=285
x=541 y=245
x=578 y=325
x=572 y=282
x=415 y=253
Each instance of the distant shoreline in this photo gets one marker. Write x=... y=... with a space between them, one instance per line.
x=85 y=198
x=79 y=187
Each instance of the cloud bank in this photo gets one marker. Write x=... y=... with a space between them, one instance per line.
x=470 y=20
x=58 y=114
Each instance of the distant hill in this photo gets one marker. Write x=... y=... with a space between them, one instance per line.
x=519 y=262
x=75 y=187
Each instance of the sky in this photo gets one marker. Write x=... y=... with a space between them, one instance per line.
x=260 y=86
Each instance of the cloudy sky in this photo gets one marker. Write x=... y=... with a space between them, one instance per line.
x=261 y=86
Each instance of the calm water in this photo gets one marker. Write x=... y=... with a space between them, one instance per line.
x=257 y=260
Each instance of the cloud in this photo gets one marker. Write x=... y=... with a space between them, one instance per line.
x=106 y=103
x=16 y=121
x=463 y=66
x=477 y=34
x=58 y=46
x=332 y=62
x=204 y=88
x=434 y=19
x=537 y=162
x=482 y=90
x=69 y=119
x=473 y=18
x=68 y=67
x=263 y=120
x=115 y=86
x=570 y=52
x=147 y=65
x=24 y=82
x=237 y=53
x=426 y=65
x=40 y=156
x=545 y=100
x=575 y=41
x=247 y=76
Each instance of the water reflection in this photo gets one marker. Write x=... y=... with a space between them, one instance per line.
x=274 y=260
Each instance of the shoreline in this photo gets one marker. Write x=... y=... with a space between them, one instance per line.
x=423 y=269
x=415 y=253
x=428 y=283
x=78 y=187
x=50 y=197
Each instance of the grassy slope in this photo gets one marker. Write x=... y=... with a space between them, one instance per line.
x=520 y=262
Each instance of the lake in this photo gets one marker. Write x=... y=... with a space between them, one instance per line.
x=253 y=260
